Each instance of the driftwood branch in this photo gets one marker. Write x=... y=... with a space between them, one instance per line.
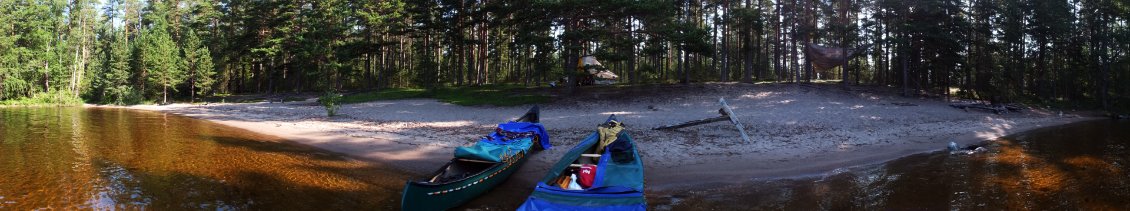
x=693 y=123
x=725 y=114
x=734 y=119
x=998 y=109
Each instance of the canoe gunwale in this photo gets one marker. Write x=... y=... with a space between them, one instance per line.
x=444 y=169
x=531 y=116
x=548 y=195
x=437 y=196
x=471 y=182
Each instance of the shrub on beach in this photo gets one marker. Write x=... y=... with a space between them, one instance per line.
x=332 y=101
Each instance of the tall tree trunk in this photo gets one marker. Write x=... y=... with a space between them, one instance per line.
x=726 y=40
x=778 y=59
x=369 y=78
x=794 y=60
x=633 y=74
x=809 y=9
x=46 y=76
x=843 y=42
x=715 y=42
x=747 y=57
x=259 y=74
x=905 y=70
x=483 y=45
x=683 y=66
x=570 y=49
x=270 y=73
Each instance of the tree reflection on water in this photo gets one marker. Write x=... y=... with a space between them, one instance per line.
x=80 y=158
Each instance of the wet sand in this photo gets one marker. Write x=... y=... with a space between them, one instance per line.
x=796 y=130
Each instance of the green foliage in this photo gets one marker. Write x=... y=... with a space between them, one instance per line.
x=426 y=76
x=199 y=66
x=331 y=100
x=29 y=48
x=386 y=94
x=110 y=76
x=45 y=98
x=489 y=95
x=160 y=60
x=1062 y=52
x=497 y=95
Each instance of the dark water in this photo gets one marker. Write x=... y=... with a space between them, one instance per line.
x=77 y=158
x=1080 y=166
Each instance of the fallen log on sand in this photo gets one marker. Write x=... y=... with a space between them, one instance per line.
x=998 y=109
x=726 y=114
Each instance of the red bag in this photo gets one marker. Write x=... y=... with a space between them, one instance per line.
x=586 y=175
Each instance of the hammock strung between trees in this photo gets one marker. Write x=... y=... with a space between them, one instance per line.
x=824 y=58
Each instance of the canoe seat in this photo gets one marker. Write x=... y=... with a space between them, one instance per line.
x=460 y=168
x=594 y=157
x=473 y=160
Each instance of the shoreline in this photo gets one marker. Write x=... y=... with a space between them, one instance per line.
x=821 y=164
x=797 y=132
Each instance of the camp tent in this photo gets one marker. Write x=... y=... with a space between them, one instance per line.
x=600 y=75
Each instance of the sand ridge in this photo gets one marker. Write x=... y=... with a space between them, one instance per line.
x=796 y=130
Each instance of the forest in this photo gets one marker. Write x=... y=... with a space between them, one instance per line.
x=1072 y=53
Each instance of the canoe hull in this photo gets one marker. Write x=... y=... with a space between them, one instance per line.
x=618 y=186
x=427 y=196
x=545 y=199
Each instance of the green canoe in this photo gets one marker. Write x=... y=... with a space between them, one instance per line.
x=463 y=179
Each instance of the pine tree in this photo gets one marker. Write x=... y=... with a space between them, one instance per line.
x=198 y=61
x=159 y=57
x=110 y=74
x=82 y=20
x=119 y=89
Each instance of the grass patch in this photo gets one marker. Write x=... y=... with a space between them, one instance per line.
x=385 y=94
x=293 y=99
x=252 y=98
x=56 y=98
x=497 y=95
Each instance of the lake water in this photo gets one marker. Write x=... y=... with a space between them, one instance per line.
x=1081 y=166
x=95 y=158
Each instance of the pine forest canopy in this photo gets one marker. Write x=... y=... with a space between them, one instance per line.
x=1063 y=52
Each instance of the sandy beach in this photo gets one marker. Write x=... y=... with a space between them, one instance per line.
x=796 y=130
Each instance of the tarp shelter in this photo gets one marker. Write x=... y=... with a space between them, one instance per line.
x=593 y=67
x=824 y=58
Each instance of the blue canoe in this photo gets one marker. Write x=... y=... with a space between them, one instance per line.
x=618 y=184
